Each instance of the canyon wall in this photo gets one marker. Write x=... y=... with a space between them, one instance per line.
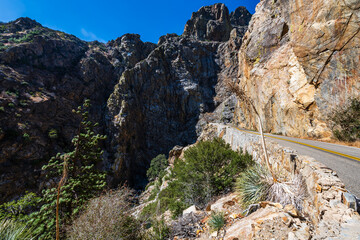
x=146 y=97
x=166 y=98
x=299 y=60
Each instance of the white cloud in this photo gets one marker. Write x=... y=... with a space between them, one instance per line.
x=89 y=36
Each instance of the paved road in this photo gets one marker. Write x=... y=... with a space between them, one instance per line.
x=343 y=159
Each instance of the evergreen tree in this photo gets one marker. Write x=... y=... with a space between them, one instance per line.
x=81 y=179
x=157 y=167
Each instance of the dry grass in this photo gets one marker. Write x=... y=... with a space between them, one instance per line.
x=292 y=192
x=107 y=217
x=350 y=144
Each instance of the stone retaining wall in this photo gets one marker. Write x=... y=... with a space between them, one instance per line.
x=324 y=206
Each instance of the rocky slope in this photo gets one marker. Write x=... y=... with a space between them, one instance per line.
x=299 y=60
x=147 y=97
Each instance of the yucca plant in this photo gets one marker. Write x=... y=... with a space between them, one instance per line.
x=261 y=181
x=256 y=184
x=11 y=230
x=242 y=96
x=217 y=222
x=253 y=185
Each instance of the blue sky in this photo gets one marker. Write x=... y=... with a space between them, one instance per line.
x=109 y=19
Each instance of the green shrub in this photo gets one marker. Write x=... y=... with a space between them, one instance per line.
x=83 y=180
x=2 y=109
x=209 y=169
x=157 y=167
x=159 y=230
x=107 y=217
x=19 y=209
x=23 y=103
x=253 y=185
x=346 y=121
x=149 y=210
x=155 y=191
x=53 y=133
x=26 y=137
x=217 y=221
x=256 y=184
x=172 y=198
x=3 y=47
x=11 y=230
x=25 y=38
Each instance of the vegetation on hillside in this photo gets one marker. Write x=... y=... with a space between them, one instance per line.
x=107 y=217
x=12 y=230
x=346 y=121
x=256 y=184
x=19 y=210
x=253 y=185
x=157 y=167
x=208 y=169
x=80 y=182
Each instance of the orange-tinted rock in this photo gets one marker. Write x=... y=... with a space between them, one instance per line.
x=298 y=61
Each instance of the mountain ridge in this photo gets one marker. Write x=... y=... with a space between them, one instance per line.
x=45 y=73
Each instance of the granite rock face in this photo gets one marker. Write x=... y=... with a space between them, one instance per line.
x=213 y=23
x=156 y=104
x=166 y=99
x=147 y=97
x=298 y=61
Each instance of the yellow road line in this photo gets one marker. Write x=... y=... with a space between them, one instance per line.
x=305 y=144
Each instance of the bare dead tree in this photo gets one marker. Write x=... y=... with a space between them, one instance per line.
x=242 y=96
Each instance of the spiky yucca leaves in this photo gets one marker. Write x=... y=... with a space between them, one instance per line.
x=256 y=184
x=11 y=230
x=253 y=185
x=217 y=221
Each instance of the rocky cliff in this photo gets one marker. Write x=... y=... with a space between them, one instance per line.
x=298 y=61
x=44 y=74
x=147 y=97
x=166 y=98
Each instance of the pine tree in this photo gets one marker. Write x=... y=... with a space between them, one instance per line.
x=81 y=180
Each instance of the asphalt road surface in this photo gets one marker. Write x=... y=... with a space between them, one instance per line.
x=343 y=159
